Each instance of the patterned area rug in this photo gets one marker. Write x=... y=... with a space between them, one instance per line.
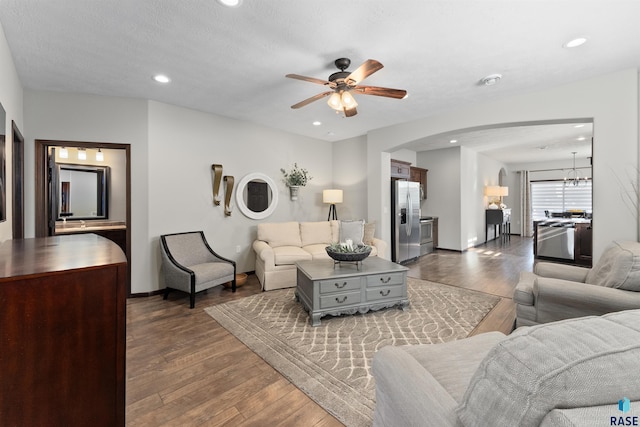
x=331 y=362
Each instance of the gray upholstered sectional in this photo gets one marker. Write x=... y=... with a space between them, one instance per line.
x=567 y=373
x=557 y=291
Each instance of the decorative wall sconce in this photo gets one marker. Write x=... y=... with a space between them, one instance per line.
x=82 y=154
x=64 y=153
x=100 y=156
x=228 y=180
x=217 y=178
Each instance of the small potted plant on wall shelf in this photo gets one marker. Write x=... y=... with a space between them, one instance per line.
x=295 y=178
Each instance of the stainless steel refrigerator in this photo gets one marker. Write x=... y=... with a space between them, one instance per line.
x=405 y=220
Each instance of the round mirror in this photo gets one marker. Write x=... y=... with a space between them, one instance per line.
x=257 y=195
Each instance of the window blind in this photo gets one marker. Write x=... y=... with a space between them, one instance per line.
x=555 y=196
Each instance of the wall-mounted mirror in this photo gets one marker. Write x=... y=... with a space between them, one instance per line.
x=82 y=191
x=257 y=195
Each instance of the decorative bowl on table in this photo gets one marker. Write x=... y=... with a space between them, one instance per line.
x=348 y=253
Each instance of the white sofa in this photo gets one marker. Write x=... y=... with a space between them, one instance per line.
x=280 y=245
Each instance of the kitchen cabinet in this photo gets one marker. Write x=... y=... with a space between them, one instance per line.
x=583 y=244
x=62 y=331
x=563 y=240
x=419 y=175
x=400 y=169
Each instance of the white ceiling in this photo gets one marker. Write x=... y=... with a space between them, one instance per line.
x=232 y=61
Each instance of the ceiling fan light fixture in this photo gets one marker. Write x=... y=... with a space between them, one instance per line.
x=335 y=101
x=348 y=101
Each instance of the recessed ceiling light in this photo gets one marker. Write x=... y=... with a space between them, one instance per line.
x=317 y=123
x=491 y=79
x=582 y=138
x=161 y=78
x=453 y=141
x=230 y=3
x=580 y=125
x=575 y=42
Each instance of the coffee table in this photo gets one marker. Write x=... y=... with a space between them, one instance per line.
x=325 y=288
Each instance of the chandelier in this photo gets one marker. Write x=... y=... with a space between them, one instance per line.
x=573 y=177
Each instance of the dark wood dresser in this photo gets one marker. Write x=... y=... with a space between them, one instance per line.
x=62 y=332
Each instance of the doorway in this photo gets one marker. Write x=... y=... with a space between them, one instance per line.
x=48 y=218
x=18 y=182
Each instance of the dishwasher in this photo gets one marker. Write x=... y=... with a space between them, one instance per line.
x=556 y=240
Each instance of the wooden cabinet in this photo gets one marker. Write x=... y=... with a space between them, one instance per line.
x=500 y=219
x=583 y=244
x=419 y=175
x=435 y=232
x=400 y=169
x=62 y=331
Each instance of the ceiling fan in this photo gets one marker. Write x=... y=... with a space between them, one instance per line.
x=344 y=84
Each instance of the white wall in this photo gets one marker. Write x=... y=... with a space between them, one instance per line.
x=90 y=118
x=611 y=101
x=183 y=144
x=350 y=175
x=455 y=194
x=443 y=193
x=11 y=100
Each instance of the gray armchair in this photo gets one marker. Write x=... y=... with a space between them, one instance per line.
x=190 y=265
x=558 y=291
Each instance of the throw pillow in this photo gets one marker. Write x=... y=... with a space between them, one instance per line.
x=280 y=234
x=369 y=231
x=573 y=363
x=618 y=267
x=353 y=230
x=314 y=233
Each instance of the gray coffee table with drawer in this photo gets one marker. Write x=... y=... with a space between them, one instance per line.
x=328 y=289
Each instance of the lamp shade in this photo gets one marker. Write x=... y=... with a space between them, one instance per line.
x=492 y=191
x=332 y=196
x=504 y=191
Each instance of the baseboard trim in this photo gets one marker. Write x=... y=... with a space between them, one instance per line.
x=161 y=291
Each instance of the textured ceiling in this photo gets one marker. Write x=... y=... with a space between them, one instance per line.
x=232 y=61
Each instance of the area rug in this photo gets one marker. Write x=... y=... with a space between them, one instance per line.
x=331 y=362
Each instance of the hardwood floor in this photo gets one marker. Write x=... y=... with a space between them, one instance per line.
x=184 y=369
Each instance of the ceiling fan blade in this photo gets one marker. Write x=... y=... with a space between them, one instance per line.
x=350 y=112
x=381 y=91
x=369 y=67
x=310 y=100
x=311 y=79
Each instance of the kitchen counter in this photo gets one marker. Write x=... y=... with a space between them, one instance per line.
x=566 y=240
x=73 y=227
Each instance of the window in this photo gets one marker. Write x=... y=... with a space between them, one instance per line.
x=556 y=197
